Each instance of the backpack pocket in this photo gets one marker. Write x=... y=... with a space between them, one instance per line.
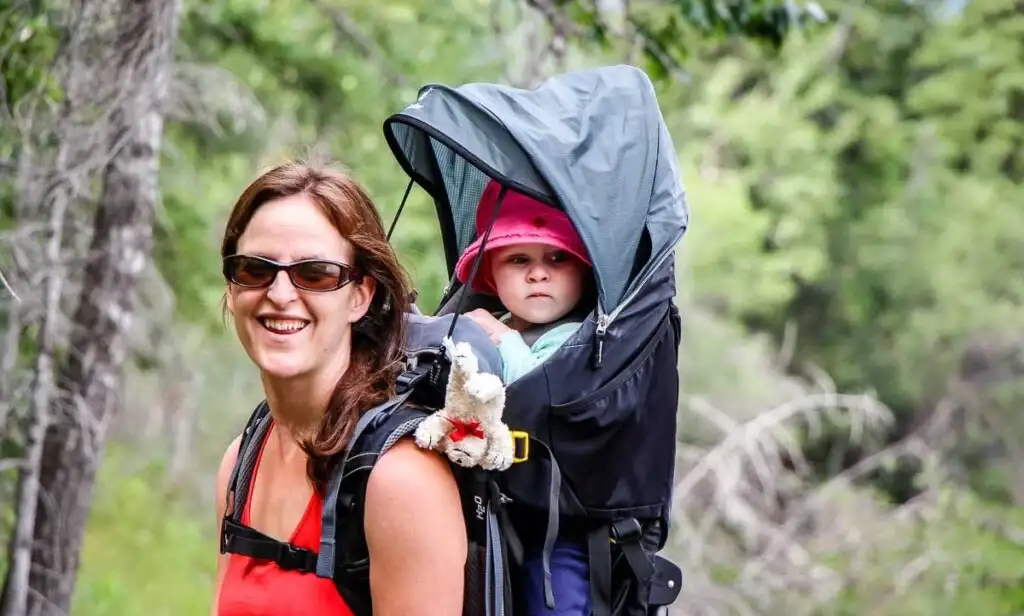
x=615 y=445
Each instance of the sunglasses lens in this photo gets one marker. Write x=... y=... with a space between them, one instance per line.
x=249 y=272
x=318 y=275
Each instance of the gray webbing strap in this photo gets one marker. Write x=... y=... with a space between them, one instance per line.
x=551 y=532
x=495 y=587
x=241 y=476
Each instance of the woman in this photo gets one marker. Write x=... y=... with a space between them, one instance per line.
x=317 y=298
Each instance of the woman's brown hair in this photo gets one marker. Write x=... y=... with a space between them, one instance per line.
x=378 y=339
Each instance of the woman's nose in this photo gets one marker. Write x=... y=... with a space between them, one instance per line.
x=282 y=290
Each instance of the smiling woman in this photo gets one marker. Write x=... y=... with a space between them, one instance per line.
x=297 y=338
x=318 y=301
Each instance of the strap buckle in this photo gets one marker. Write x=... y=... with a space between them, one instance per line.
x=291 y=558
x=407 y=380
x=518 y=436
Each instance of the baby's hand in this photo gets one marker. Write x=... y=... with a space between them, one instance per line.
x=495 y=329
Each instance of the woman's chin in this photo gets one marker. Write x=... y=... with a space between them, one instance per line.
x=282 y=365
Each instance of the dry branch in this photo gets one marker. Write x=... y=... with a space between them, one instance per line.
x=7 y=285
x=744 y=503
x=631 y=32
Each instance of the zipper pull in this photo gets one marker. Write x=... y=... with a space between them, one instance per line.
x=599 y=333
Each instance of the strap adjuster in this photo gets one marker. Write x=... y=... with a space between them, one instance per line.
x=626 y=531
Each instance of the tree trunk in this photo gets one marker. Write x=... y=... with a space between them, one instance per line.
x=16 y=589
x=91 y=378
x=57 y=186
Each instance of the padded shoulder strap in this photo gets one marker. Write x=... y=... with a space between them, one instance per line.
x=377 y=431
x=343 y=554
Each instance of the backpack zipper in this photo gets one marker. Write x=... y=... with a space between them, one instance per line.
x=604 y=320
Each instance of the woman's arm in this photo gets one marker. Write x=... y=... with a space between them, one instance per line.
x=415 y=533
x=227 y=464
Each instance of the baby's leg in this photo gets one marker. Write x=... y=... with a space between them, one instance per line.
x=570 y=580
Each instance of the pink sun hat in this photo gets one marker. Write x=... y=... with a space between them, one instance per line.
x=521 y=220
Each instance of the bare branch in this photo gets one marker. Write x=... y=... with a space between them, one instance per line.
x=7 y=285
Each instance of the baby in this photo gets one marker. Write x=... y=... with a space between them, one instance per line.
x=537 y=265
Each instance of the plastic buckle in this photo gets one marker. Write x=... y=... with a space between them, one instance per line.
x=524 y=438
x=626 y=531
x=403 y=382
x=290 y=558
x=409 y=378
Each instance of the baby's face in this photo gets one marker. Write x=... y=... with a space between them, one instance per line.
x=537 y=283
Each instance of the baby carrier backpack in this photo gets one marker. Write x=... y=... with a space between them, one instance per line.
x=601 y=412
x=599 y=417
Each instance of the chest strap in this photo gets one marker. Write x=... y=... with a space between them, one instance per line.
x=237 y=538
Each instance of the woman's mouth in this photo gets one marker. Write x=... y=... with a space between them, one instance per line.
x=283 y=326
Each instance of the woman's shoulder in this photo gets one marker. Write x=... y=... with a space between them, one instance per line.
x=407 y=470
x=412 y=498
x=415 y=532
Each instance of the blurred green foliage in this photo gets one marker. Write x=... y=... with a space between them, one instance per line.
x=856 y=186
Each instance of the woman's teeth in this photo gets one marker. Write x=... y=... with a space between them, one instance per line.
x=284 y=326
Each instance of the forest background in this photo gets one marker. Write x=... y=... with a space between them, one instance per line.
x=850 y=435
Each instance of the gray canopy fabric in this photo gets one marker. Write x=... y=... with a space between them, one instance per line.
x=592 y=142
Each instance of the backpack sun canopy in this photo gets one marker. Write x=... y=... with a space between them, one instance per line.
x=591 y=142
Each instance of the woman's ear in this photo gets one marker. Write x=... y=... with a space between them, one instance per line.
x=229 y=300
x=361 y=298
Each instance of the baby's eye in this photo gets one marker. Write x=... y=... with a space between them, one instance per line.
x=518 y=260
x=559 y=256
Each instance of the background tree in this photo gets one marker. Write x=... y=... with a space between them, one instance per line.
x=853 y=347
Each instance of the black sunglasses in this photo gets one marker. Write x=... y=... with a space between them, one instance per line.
x=309 y=275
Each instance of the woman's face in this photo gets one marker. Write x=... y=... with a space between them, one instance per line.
x=290 y=332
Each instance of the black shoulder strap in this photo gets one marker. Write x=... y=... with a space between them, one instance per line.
x=343 y=553
x=237 y=538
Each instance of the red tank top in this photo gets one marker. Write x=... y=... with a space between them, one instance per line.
x=260 y=588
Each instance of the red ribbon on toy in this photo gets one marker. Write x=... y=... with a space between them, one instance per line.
x=464 y=429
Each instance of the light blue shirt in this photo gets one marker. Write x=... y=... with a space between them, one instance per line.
x=518 y=358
